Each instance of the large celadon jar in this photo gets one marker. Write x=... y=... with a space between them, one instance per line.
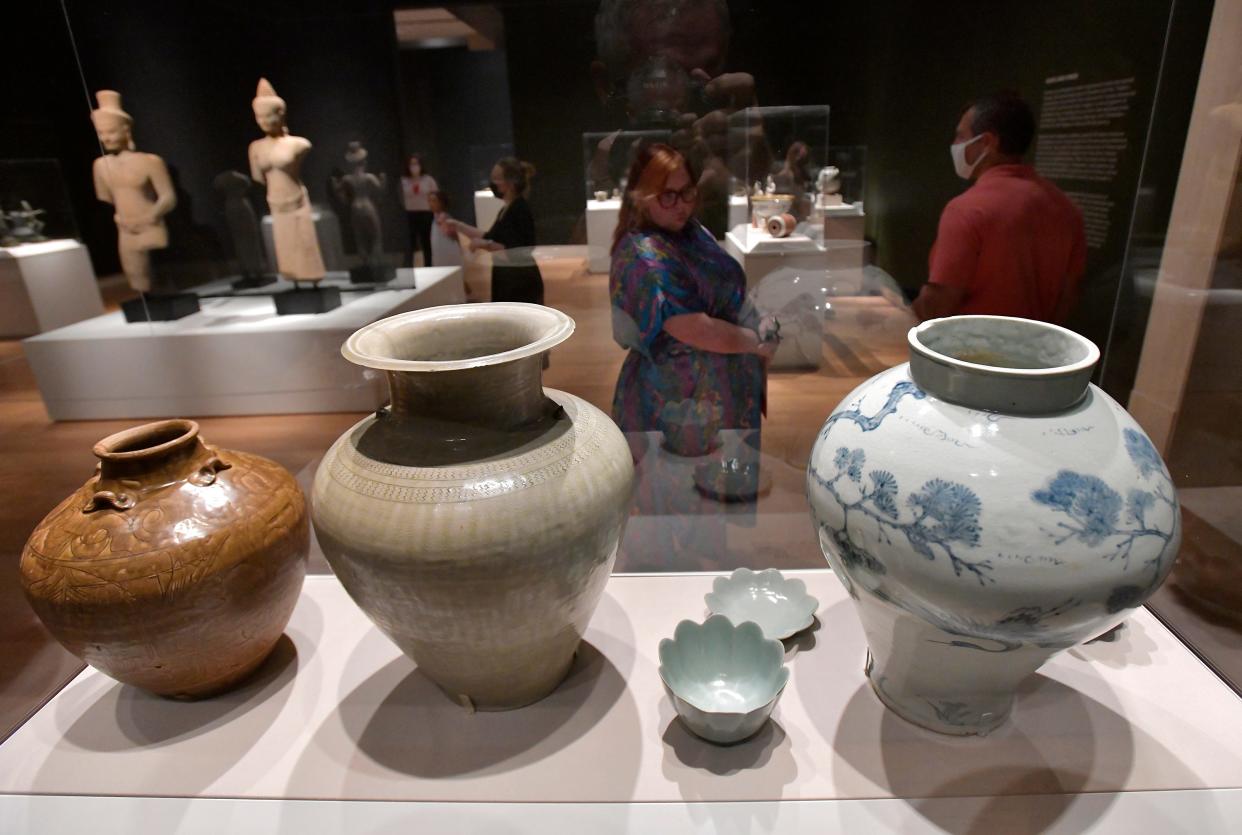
x=476 y=518
x=986 y=507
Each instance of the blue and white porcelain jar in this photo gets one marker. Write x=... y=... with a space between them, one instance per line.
x=986 y=507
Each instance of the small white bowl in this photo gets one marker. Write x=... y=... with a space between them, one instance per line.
x=723 y=679
x=780 y=606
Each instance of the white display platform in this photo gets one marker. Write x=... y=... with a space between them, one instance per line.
x=44 y=286
x=487 y=208
x=327 y=231
x=1137 y=729
x=235 y=356
x=601 y=223
x=759 y=253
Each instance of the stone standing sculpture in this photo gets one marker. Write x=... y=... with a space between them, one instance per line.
x=137 y=184
x=276 y=161
x=243 y=225
x=361 y=190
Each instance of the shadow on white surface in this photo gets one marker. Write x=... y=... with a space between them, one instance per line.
x=721 y=760
x=401 y=720
x=1127 y=645
x=125 y=717
x=1082 y=746
x=699 y=768
x=394 y=734
x=128 y=725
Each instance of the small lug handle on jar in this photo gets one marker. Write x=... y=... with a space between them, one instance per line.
x=107 y=498
x=206 y=474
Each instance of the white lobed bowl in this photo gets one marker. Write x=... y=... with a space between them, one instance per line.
x=723 y=679
x=780 y=606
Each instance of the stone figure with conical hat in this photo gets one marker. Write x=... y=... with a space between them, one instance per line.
x=361 y=191
x=136 y=184
x=276 y=162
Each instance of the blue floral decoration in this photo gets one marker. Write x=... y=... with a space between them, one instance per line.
x=1095 y=512
x=945 y=515
x=1087 y=500
x=1143 y=453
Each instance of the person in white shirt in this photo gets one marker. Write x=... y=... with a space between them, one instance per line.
x=416 y=187
x=445 y=250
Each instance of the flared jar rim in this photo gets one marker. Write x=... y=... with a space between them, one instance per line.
x=552 y=326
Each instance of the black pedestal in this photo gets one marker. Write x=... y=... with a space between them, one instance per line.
x=372 y=274
x=251 y=281
x=307 y=300
x=151 y=308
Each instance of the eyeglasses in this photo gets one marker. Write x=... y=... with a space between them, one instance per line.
x=668 y=199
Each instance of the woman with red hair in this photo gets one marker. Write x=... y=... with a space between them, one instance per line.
x=678 y=305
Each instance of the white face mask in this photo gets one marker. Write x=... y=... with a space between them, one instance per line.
x=958 y=152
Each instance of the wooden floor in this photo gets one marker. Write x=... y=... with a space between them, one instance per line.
x=41 y=462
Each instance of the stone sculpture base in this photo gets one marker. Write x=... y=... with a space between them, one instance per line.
x=160 y=308
x=307 y=300
x=251 y=281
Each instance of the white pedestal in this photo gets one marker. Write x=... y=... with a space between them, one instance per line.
x=327 y=231
x=1132 y=736
x=44 y=286
x=487 y=208
x=759 y=253
x=233 y=357
x=601 y=223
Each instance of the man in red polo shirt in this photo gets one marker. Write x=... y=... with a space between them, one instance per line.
x=1012 y=244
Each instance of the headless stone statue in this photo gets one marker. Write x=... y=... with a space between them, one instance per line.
x=362 y=191
x=243 y=224
x=276 y=161
x=136 y=184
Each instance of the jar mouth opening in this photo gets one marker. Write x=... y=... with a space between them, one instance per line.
x=146 y=440
x=1004 y=346
x=456 y=337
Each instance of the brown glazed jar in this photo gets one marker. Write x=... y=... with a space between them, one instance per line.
x=176 y=568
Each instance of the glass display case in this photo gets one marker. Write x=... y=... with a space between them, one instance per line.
x=432 y=560
x=799 y=216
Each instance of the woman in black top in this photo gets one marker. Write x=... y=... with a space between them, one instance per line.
x=515 y=276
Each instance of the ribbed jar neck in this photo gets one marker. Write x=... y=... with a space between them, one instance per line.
x=159 y=453
x=474 y=365
x=505 y=396
x=1001 y=363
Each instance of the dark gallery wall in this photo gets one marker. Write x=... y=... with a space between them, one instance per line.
x=894 y=72
x=550 y=46
x=455 y=110
x=187 y=74
x=45 y=117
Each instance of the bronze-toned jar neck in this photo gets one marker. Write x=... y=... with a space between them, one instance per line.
x=163 y=451
x=504 y=396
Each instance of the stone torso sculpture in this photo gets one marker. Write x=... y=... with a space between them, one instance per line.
x=136 y=184
x=276 y=161
x=243 y=222
x=361 y=190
